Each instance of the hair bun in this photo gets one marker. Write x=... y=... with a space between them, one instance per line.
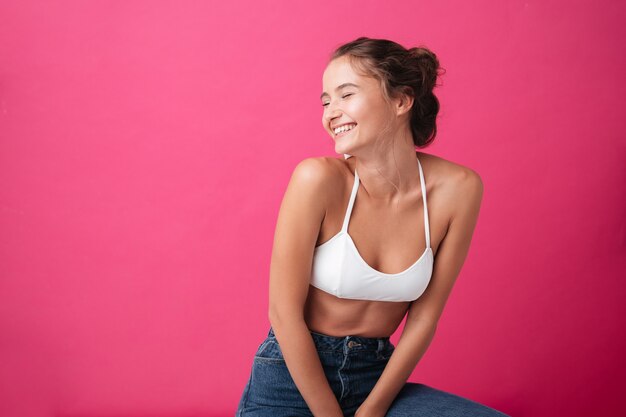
x=428 y=64
x=421 y=52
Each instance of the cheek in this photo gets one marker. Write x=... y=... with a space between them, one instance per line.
x=363 y=113
x=356 y=105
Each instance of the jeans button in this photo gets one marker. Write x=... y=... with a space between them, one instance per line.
x=352 y=344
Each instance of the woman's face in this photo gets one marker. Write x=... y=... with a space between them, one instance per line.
x=352 y=99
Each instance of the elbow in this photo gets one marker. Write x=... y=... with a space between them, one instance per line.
x=279 y=318
x=433 y=327
x=426 y=326
x=272 y=316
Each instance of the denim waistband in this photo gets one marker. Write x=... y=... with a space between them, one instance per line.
x=327 y=342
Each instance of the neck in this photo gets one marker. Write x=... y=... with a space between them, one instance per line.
x=389 y=177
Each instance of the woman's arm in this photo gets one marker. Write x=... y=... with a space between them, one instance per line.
x=424 y=313
x=301 y=214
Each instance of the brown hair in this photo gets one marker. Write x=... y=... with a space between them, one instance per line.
x=411 y=71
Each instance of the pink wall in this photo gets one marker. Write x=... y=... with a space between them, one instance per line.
x=145 y=147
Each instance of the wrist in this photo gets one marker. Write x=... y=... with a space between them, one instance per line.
x=332 y=410
x=370 y=409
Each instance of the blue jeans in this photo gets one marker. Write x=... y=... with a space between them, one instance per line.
x=352 y=365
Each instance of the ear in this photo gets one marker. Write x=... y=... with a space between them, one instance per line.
x=404 y=102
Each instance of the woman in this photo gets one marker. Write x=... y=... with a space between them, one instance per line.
x=355 y=249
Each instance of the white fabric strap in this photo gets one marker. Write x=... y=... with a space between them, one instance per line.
x=355 y=187
x=426 y=225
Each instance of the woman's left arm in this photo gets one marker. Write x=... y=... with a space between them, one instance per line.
x=424 y=313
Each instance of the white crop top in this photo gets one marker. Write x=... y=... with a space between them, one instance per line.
x=339 y=269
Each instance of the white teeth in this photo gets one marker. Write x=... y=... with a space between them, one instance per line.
x=344 y=128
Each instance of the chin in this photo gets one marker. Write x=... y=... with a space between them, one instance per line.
x=341 y=149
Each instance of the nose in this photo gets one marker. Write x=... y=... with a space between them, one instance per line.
x=331 y=114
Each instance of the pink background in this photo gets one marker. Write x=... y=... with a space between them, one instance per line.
x=145 y=147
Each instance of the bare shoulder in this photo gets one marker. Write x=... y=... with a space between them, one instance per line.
x=452 y=179
x=314 y=185
x=319 y=169
x=447 y=172
x=318 y=178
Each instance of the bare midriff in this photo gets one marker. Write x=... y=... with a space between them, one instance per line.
x=326 y=314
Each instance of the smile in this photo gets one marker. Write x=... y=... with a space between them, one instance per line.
x=343 y=130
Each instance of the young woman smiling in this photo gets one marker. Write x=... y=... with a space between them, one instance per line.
x=363 y=241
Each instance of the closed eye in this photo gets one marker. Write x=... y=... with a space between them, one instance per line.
x=344 y=96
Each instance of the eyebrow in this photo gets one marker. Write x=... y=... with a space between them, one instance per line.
x=339 y=88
